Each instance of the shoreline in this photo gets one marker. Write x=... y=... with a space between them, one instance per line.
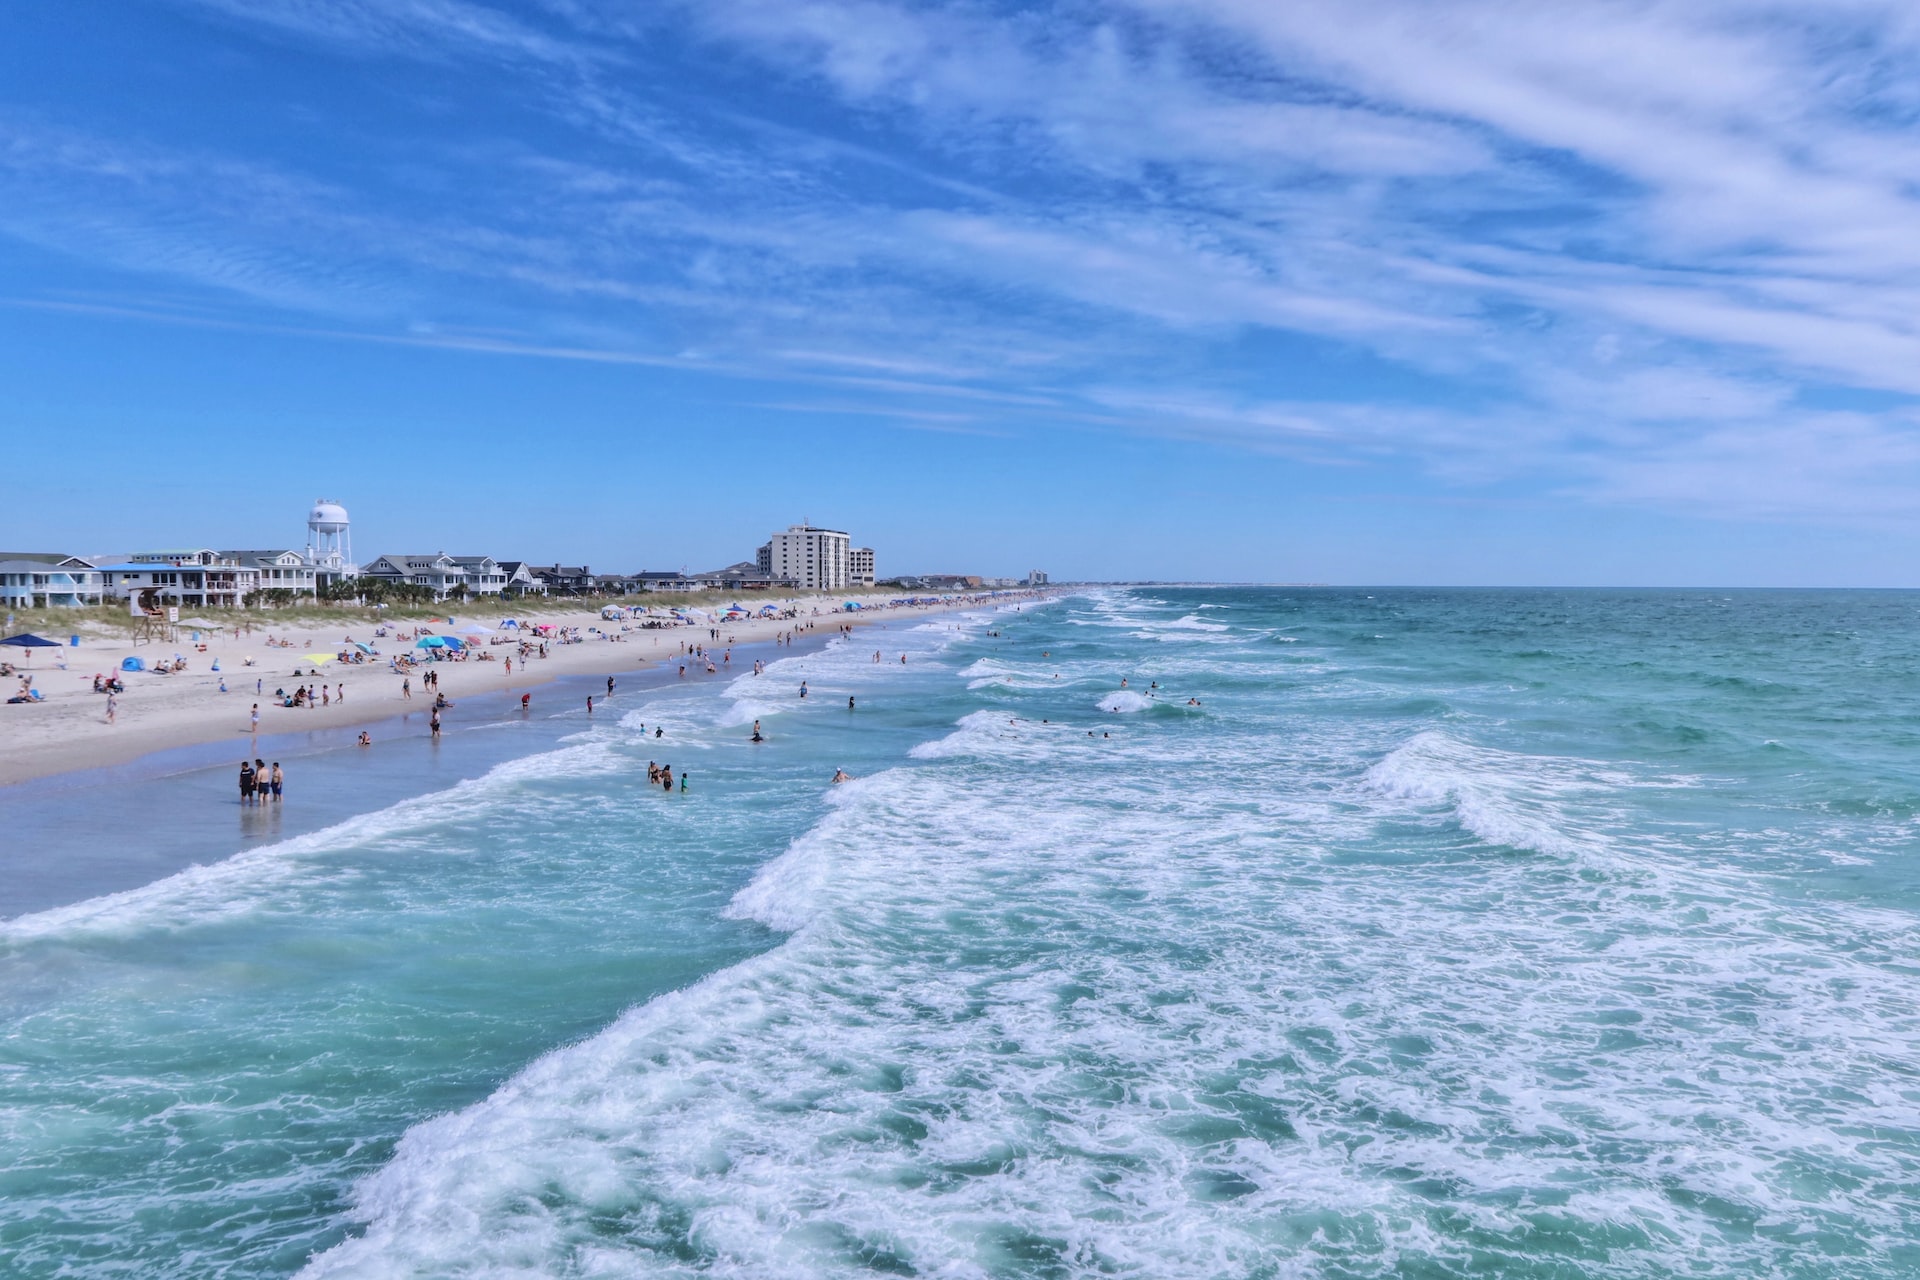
x=68 y=735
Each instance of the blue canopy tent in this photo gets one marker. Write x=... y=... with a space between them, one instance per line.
x=30 y=643
x=509 y=625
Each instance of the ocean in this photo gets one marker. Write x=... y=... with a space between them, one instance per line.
x=1407 y=933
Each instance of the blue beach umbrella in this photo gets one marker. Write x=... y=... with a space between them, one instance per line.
x=431 y=642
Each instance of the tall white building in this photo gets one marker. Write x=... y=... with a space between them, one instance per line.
x=814 y=559
x=860 y=568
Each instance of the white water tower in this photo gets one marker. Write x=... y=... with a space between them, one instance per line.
x=329 y=548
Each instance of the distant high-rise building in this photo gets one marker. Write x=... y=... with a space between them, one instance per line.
x=860 y=567
x=1035 y=578
x=812 y=558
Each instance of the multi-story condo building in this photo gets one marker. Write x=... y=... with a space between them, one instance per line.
x=860 y=567
x=814 y=559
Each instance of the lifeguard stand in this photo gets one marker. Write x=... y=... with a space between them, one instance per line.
x=151 y=622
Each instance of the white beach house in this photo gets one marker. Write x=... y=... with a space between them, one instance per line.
x=201 y=578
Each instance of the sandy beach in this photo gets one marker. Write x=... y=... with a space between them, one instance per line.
x=70 y=731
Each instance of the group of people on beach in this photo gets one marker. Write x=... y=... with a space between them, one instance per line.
x=258 y=785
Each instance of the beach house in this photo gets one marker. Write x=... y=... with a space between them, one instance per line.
x=520 y=579
x=40 y=580
x=280 y=570
x=199 y=578
x=484 y=575
x=438 y=572
x=565 y=579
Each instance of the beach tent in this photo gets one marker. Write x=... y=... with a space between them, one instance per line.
x=613 y=613
x=475 y=629
x=133 y=664
x=509 y=625
x=30 y=643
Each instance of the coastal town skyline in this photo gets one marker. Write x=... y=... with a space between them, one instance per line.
x=802 y=557
x=1226 y=300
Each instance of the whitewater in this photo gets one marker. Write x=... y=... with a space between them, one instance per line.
x=1358 y=933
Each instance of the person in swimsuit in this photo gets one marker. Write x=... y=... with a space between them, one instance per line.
x=247 y=780
x=609 y=686
x=658 y=732
x=803 y=688
x=841 y=775
x=434 y=723
x=365 y=741
x=683 y=783
x=526 y=700
x=849 y=704
x=666 y=778
x=279 y=777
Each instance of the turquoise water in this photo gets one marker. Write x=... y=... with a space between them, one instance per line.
x=1470 y=933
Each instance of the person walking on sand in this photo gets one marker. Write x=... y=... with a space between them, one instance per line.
x=112 y=706
x=406 y=688
x=509 y=668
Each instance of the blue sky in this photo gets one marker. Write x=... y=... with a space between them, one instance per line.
x=1375 y=291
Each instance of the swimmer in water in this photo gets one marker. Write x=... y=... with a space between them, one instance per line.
x=526 y=700
x=658 y=732
x=841 y=775
x=849 y=704
x=1193 y=702
x=803 y=688
x=756 y=733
